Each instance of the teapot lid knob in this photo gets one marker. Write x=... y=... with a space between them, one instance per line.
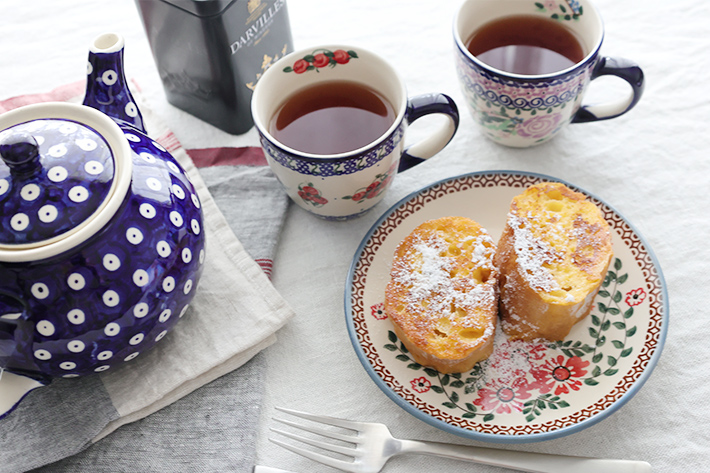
x=20 y=152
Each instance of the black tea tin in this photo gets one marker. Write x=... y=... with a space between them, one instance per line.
x=211 y=53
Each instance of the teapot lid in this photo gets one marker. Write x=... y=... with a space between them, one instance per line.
x=65 y=170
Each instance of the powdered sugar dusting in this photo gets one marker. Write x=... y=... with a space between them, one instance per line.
x=510 y=361
x=481 y=253
x=532 y=253
x=429 y=277
x=433 y=274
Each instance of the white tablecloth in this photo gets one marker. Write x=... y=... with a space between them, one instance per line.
x=651 y=165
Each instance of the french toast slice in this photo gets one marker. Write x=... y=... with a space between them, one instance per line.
x=442 y=297
x=553 y=256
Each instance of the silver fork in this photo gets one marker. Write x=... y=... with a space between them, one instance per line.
x=373 y=445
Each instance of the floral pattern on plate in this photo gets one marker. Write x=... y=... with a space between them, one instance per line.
x=529 y=377
x=525 y=391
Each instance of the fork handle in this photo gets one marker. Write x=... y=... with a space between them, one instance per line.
x=525 y=461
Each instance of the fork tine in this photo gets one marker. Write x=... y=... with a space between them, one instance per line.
x=349 y=451
x=318 y=457
x=346 y=424
x=320 y=431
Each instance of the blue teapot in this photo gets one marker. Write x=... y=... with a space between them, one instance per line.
x=101 y=236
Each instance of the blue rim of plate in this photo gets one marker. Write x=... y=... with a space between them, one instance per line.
x=638 y=382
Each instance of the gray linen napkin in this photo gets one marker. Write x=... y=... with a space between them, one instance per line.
x=185 y=406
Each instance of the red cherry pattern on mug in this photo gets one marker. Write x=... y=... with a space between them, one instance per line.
x=530 y=377
x=321 y=58
x=311 y=195
x=374 y=189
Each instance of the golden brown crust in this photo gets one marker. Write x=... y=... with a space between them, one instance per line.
x=442 y=294
x=552 y=256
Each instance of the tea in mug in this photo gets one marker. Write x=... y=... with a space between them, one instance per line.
x=332 y=117
x=526 y=45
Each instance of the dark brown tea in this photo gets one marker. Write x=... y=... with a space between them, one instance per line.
x=332 y=117
x=526 y=45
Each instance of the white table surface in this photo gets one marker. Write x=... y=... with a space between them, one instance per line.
x=652 y=165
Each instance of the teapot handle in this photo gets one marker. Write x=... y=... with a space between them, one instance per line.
x=14 y=388
x=106 y=86
x=15 y=384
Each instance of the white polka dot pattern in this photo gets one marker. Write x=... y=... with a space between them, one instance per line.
x=111 y=298
x=134 y=236
x=169 y=284
x=164 y=315
x=176 y=218
x=131 y=356
x=76 y=281
x=57 y=151
x=131 y=110
x=94 y=168
x=45 y=327
x=111 y=262
x=78 y=194
x=76 y=316
x=19 y=222
x=141 y=278
x=30 y=192
x=76 y=346
x=112 y=329
x=104 y=355
x=178 y=191
x=40 y=290
x=47 y=213
x=147 y=157
x=109 y=77
x=141 y=310
x=43 y=355
x=57 y=174
x=147 y=210
x=173 y=167
x=163 y=248
x=87 y=144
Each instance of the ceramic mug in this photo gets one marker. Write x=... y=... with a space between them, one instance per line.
x=346 y=185
x=526 y=110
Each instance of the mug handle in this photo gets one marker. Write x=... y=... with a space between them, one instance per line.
x=625 y=69
x=426 y=104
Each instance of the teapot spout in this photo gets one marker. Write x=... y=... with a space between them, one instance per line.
x=106 y=87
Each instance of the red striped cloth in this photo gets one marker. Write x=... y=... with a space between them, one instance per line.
x=63 y=93
x=245 y=156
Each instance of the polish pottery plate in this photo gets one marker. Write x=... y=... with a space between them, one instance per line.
x=525 y=391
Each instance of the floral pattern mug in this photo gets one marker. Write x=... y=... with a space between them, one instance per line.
x=525 y=110
x=346 y=185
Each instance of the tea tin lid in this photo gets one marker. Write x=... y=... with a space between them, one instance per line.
x=202 y=8
x=62 y=167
